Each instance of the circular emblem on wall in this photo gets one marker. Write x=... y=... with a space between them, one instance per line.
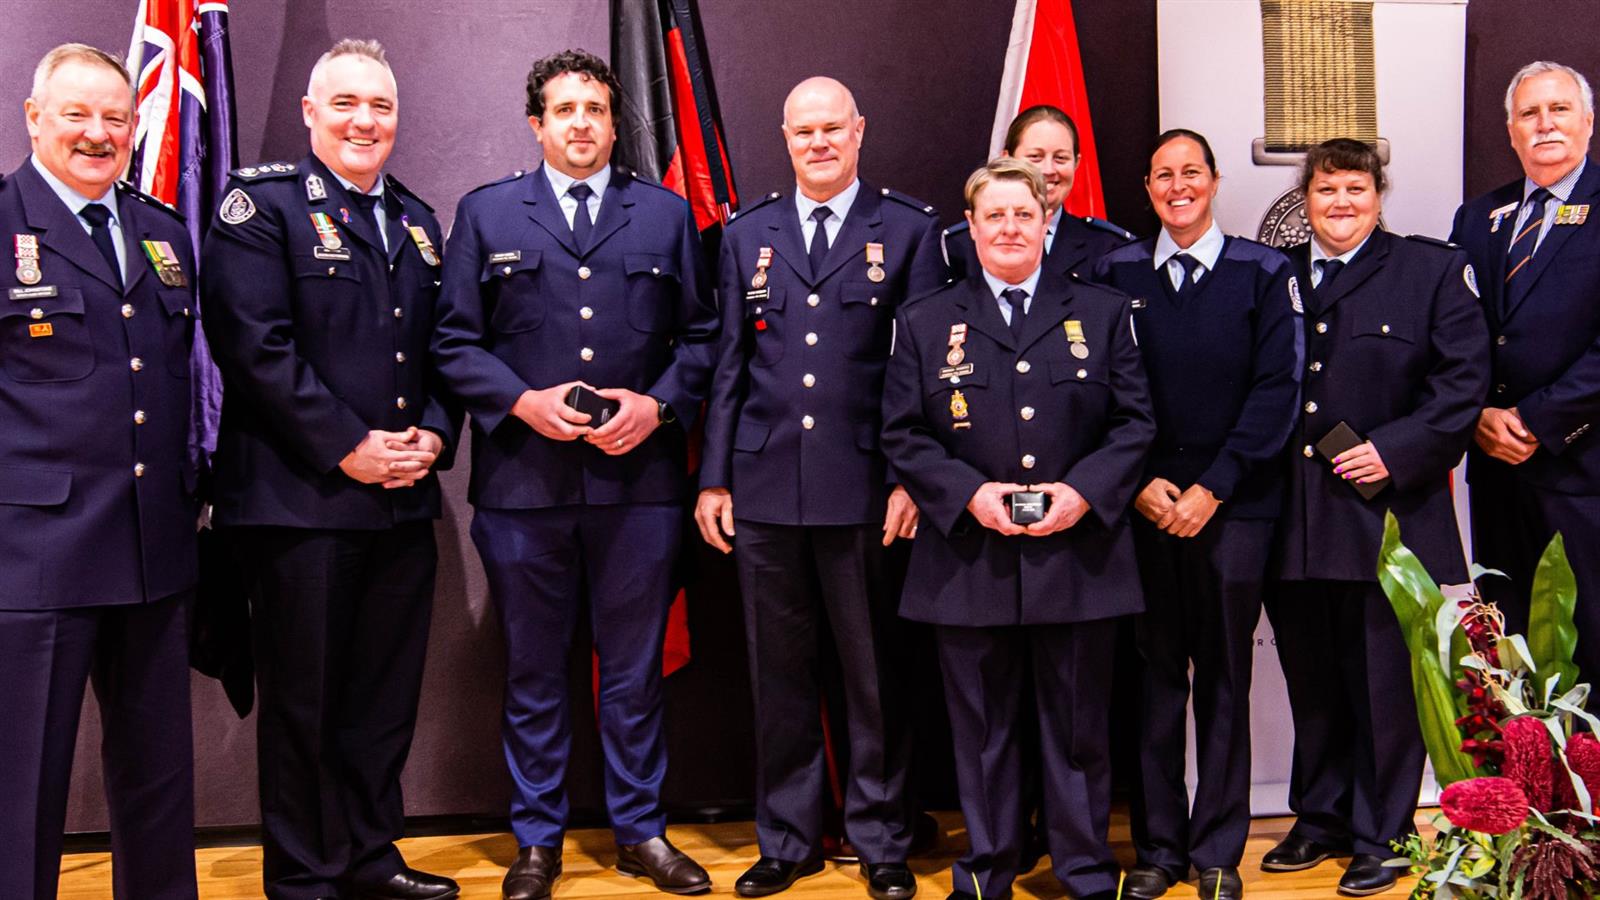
x=1285 y=223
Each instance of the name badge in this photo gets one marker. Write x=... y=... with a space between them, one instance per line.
x=505 y=257
x=33 y=293
x=338 y=254
x=760 y=294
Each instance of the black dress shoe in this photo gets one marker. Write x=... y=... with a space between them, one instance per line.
x=409 y=884
x=670 y=868
x=769 y=876
x=1368 y=875
x=533 y=874
x=1146 y=883
x=889 y=881
x=1295 y=853
x=1221 y=883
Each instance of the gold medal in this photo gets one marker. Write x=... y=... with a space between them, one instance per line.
x=875 y=273
x=954 y=357
x=958 y=410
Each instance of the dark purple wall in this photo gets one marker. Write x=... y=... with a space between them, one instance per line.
x=925 y=75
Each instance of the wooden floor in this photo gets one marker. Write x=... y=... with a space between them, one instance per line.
x=478 y=862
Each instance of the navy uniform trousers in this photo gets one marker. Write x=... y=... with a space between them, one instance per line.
x=317 y=346
x=809 y=501
x=97 y=538
x=1239 y=324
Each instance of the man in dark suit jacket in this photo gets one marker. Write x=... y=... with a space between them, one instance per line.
x=579 y=275
x=1048 y=138
x=321 y=281
x=1535 y=469
x=1019 y=374
x=791 y=456
x=97 y=517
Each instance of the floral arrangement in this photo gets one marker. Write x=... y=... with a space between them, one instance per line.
x=1498 y=714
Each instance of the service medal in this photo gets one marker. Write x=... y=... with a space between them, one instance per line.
x=419 y=236
x=27 y=249
x=958 y=410
x=760 y=279
x=326 y=230
x=954 y=357
x=875 y=262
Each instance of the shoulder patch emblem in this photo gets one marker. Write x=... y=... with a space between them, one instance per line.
x=1471 y=279
x=237 y=207
x=1294 y=295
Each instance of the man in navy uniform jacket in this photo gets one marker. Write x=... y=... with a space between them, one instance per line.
x=579 y=275
x=1535 y=469
x=809 y=287
x=321 y=281
x=97 y=518
x=1048 y=138
x=1020 y=379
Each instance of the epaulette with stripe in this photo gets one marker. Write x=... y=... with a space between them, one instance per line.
x=765 y=199
x=957 y=228
x=265 y=170
x=127 y=189
x=1108 y=227
x=1432 y=240
x=398 y=185
x=912 y=202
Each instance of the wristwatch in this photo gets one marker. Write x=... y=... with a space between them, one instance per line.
x=664 y=413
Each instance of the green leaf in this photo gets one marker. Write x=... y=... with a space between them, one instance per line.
x=1551 y=633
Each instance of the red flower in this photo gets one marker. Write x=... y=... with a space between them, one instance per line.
x=1530 y=761
x=1486 y=805
x=1583 y=756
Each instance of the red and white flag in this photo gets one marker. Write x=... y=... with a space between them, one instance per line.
x=1043 y=66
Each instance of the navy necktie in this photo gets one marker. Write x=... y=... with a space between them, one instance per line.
x=1522 y=246
x=1186 y=283
x=99 y=219
x=1017 y=299
x=582 y=225
x=368 y=204
x=1330 y=269
x=818 y=251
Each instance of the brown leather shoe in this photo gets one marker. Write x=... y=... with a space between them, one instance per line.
x=664 y=864
x=533 y=874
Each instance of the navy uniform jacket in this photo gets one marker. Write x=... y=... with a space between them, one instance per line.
x=1079 y=241
x=523 y=308
x=96 y=487
x=318 y=347
x=1036 y=414
x=1224 y=369
x=799 y=351
x=1397 y=348
x=1546 y=347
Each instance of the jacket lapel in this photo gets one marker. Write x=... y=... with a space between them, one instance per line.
x=545 y=210
x=337 y=203
x=862 y=224
x=44 y=212
x=614 y=210
x=1584 y=191
x=983 y=312
x=1052 y=298
x=1365 y=264
x=784 y=233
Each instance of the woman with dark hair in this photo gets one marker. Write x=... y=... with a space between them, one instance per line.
x=1397 y=365
x=1048 y=138
x=1217 y=321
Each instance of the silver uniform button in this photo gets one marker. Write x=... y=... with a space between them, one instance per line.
x=1316 y=365
x=1384 y=329
x=1500 y=341
x=138 y=470
x=36 y=313
x=586 y=354
x=655 y=270
x=1311 y=406
x=1308 y=451
x=1027 y=414
x=399 y=357
x=136 y=364
x=811 y=339
x=808 y=423
x=1083 y=373
x=333 y=270
x=813 y=300
x=809 y=380
x=127 y=310
x=138 y=417
x=1028 y=460
x=584 y=273
x=400 y=403
x=586 y=313
x=1023 y=366
x=1322 y=328
x=399 y=313
x=506 y=271
x=873 y=302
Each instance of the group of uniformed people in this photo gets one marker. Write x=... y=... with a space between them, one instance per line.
x=1072 y=427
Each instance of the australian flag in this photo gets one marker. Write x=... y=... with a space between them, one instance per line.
x=185 y=144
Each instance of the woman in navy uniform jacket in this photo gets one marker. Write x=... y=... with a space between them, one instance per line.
x=1218 y=324
x=1016 y=375
x=1397 y=349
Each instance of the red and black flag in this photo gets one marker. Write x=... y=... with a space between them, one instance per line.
x=670 y=127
